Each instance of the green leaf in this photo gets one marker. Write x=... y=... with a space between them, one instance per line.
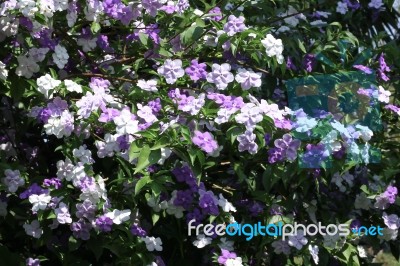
x=144 y=38
x=95 y=27
x=161 y=143
x=191 y=35
x=141 y=183
x=73 y=244
x=143 y=160
x=301 y=46
x=155 y=217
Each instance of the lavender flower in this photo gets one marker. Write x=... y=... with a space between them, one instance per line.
x=171 y=70
x=196 y=71
x=81 y=230
x=248 y=78
x=205 y=141
x=383 y=67
x=364 y=69
x=136 y=230
x=104 y=223
x=217 y=14
x=234 y=25
x=220 y=76
x=246 y=142
x=225 y=255
x=289 y=146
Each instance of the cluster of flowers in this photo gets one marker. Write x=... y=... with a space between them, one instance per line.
x=208 y=112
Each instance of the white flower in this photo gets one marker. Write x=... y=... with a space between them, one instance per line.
x=383 y=95
x=72 y=86
x=27 y=7
x=33 y=229
x=60 y=5
x=377 y=4
x=362 y=202
x=38 y=54
x=146 y=113
x=46 y=8
x=153 y=243
x=118 y=216
x=202 y=241
x=388 y=234
x=83 y=154
x=3 y=71
x=331 y=240
x=248 y=78
x=220 y=76
x=226 y=244
x=273 y=47
x=342 y=8
x=225 y=204
x=13 y=180
x=60 y=56
x=45 y=84
x=26 y=66
x=366 y=133
x=391 y=221
x=165 y=153
x=149 y=85
x=234 y=262
x=125 y=123
x=314 y=253
x=362 y=252
x=298 y=240
x=39 y=201
x=87 y=44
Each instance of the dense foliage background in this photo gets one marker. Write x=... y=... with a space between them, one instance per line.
x=122 y=121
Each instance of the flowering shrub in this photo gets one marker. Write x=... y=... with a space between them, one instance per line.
x=122 y=122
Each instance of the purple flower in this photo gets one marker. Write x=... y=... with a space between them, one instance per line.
x=309 y=62
x=256 y=209
x=355 y=225
x=44 y=115
x=32 y=262
x=383 y=67
x=108 y=115
x=136 y=230
x=275 y=155
x=184 y=198
x=234 y=25
x=151 y=6
x=205 y=141
x=390 y=194
x=104 y=223
x=217 y=14
x=208 y=202
x=225 y=255
x=290 y=65
x=289 y=146
x=33 y=189
x=169 y=8
x=314 y=156
x=393 y=108
x=246 y=142
x=81 y=230
x=55 y=182
x=171 y=70
x=196 y=214
x=85 y=210
x=102 y=42
x=196 y=71
x=364 y=69
x=155 y=105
